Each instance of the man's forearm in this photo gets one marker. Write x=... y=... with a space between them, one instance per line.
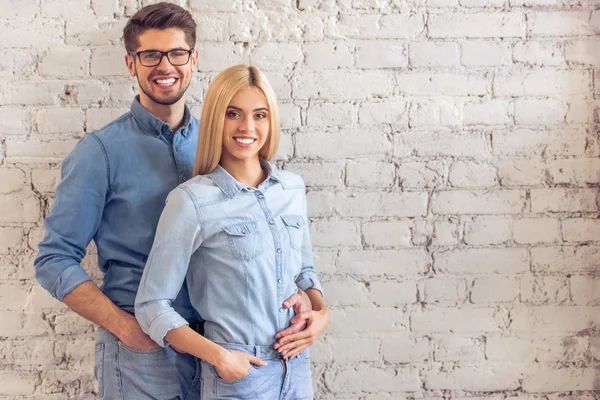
x=88 y=301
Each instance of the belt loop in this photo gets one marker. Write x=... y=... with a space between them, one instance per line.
x=257 y=351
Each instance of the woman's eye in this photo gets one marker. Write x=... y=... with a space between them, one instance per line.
x=232 y=114
x=261 y=116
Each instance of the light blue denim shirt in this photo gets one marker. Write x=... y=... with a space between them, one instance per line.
x=113 y=189
x=243 y=252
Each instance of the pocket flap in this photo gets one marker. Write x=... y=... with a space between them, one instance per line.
x=241 y=229
x=293 y=221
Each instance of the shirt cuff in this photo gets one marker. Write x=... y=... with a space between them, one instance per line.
x=309 y=281
x=163 y=324
x=68 y=280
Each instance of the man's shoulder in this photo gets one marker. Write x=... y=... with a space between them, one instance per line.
x=115 y=127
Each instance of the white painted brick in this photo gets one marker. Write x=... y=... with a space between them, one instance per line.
x=585 y=290
x=42 y=300
x=562 y=348
x=482 y=3
x=368 y=204
x=399 y=263
x=390 y=111
x=476 y=378
x=542 y=53
x=542 y=379
x=378 y=26
x=564 y=259
x=19 y=8
x=364 y=378
x=66 y=9
x=320 y=204
x=327 y=55
x=580 y=111
x=215 y=5
x=60 y=120
x=391 y=294
x=325 y=259
x=491 y=112
x=17 y=383
x=521 y=172
x=485 y=53
x=370 y=174
x=580 y=229
x=547 y=319
x=501 y=261
x=312 y=28
x=319 y=174
x=535 y=112
x=542 y=82
x=458 y=348
x=13 y=295
x=534 y=3
x=101 y=33
x=363 y=349
x=333 y=85
x=108 y=61
x=472 y=174
x=384 y=320
x=19 y=324
x=421 y=174
x=12 y=180
x=65 y=62
x=424 y=144
x=10 y=238
x=211 y=28
x=217 y=56
x=387 y=233
x=345 y=143
x=536 y=230
x=36 y=93
x=72 y=324
x=36 y=151
x=331 y=114
x=561 y=23
x=404 y=349
x=443 y=83
x=464 y=320
x=289 y=114
x=447 y=291
x=445 y=233
x=528 y=142
x=435 y=112
x=346 y=293
x=381 y=54
x=19 y=210
x=488 y=230
x=559 y=199
x=334 y=233
x=478 y=202
x=496 y=289
x=509 y=349
x=276 y=56
x=107 y=8
x=434 y=54
x=38 y=33
x=583 y=51
x=89 y=93
x=477 y=25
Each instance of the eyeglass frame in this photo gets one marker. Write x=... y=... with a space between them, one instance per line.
x=162 y=54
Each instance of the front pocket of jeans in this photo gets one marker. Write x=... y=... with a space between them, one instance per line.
x=294 y=224
x=245 y=240
x=99 y=368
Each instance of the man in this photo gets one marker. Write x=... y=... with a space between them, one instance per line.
x=113 y=189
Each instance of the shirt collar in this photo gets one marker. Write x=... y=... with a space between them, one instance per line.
x=154 y=125
x=231 y=187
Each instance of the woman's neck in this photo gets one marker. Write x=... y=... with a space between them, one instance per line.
x=247 y=172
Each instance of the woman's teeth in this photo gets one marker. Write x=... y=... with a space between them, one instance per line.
x=245 y=141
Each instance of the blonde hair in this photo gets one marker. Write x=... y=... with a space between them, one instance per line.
x=218 y=97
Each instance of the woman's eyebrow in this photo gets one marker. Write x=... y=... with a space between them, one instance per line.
x=257 y=109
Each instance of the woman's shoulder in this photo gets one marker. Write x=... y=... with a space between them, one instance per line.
x=200 y=189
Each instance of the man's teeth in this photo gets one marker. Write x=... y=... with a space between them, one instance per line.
x=244 y=141
x=169 y=81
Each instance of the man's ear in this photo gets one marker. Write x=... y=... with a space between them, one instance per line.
x=194 y=59
x=130 y=63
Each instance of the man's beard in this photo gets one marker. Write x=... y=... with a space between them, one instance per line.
x=166 y=102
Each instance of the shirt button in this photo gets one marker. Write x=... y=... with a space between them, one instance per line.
x=272 y=222
x=281 y=309
x=176 y=148
x=279 y=251
x=260 y=196
x=279 y=280
x=182 y=178
x=243 y=231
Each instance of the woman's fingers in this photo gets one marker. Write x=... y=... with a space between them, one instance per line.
x=256 y=361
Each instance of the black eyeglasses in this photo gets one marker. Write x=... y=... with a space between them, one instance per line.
x=151 y=58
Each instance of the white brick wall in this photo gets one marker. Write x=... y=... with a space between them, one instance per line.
x=450 y=150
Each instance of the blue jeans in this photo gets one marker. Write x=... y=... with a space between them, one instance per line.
x=272 y=382
x=127 y=374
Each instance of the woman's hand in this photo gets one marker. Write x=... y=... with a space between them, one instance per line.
x=236 y=365
x=291 y=345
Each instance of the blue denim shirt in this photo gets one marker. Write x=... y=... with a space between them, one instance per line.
x=113 y=189
x=242 y=250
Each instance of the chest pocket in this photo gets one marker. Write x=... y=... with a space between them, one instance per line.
x=245 y=240
x=294 y=225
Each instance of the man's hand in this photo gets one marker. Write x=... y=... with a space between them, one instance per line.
x=293 y=344
x=301 y=303
x=133 y=336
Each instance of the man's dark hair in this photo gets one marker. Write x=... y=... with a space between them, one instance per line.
x=159 y=16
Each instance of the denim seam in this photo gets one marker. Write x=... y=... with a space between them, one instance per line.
x=105 y=159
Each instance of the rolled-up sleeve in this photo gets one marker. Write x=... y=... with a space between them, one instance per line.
x=74 y=218
x=308 y=278
x=178 y=235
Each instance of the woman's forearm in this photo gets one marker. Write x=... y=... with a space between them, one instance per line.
x=190 y=341
x=316 y=299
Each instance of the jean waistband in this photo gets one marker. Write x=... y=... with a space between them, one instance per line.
x=262 y=352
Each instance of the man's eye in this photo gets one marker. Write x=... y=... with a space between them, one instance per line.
x=178 y=53
x=151 y=56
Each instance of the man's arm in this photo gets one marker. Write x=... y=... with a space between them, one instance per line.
x=71 y=225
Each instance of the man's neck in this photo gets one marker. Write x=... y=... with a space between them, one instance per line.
x=247 y=172
x=172 y=114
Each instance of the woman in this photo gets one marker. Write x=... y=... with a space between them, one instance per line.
x=238 y=232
